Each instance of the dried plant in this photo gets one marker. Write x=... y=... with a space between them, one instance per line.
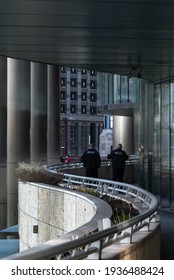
x=36 y=172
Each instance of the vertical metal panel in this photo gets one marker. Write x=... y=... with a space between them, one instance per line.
x=38 y=112
x=123 y=133
x=18 y=127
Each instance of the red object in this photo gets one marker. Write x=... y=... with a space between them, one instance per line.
x=67 y=159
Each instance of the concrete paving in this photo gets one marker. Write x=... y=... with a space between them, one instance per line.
x=167 y=234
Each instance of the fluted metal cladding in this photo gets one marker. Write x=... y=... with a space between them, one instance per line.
x=3 y=110
x=18 y=110
x=3 y=196
x=123 y=133
x=38 y=111
x=18 y=128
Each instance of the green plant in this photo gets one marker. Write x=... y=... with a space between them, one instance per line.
x=119 y=217
x=87 y=190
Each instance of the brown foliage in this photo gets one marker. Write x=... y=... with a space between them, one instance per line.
x=36 y=172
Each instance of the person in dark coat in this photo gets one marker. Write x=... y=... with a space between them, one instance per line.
x=118 y=158
x=91 y=161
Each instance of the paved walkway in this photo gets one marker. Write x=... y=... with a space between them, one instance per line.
x=167 y=234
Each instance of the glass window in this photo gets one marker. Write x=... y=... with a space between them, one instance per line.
x=93 y=97
x=83 y=83
x=84 y=137
x=73 y=95
x=63 y=108
x=63 y=70
x=73 y=82
x=73 y=139
x=93 y=84
x=124 y=89
x=63 y=82
x=93 y=110
x=73 y=109
x=63 y=95
x=133 y=89
x=83 y=96
x=83 y=109
x=93 y=73
x=84 y=72
x=73 y=71
x=62 y=136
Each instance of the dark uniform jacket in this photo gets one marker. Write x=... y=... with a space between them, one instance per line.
x=91 y=159
x=118 y=157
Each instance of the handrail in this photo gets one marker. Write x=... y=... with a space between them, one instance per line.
x=104 y=162
x=92 y=246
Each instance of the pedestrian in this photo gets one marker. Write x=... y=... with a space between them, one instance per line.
x=62 y=159
x=118 y=158
x=91 y=161
x=67 y=159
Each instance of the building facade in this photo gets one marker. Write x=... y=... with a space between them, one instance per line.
x=80 y=122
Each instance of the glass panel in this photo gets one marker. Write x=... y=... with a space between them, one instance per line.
x=117 y=89
x=133 y=89
x=165 y=146
x=124 y=89
x=172 y=145
x=148 y=134
x=157 y=143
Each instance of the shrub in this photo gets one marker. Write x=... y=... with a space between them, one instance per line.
x=36 y=172
x=87 y=190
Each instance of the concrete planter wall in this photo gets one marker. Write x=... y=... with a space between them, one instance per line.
x=50 y=216
x=47 y=212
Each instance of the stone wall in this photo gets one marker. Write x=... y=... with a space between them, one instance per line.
x=60 y=215
x=47 y=212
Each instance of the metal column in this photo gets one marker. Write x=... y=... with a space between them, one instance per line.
x=38 y=112
x=53 y=116
x=18 y=127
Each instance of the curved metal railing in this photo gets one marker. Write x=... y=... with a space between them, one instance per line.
x=93 y=245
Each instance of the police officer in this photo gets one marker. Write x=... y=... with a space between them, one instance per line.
x=118 y=157
x=91 y=161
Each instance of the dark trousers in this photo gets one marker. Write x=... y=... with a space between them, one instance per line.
x=118 y=173
x=92 y=172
